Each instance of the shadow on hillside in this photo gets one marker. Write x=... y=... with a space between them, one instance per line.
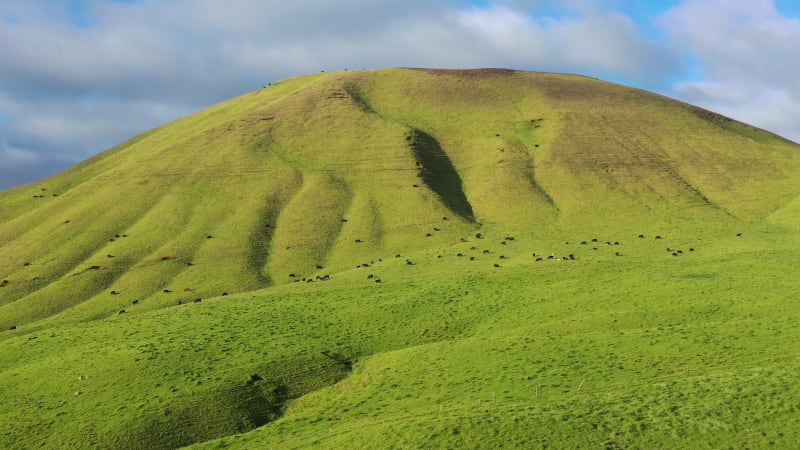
x=439 y=174
x=201 y=414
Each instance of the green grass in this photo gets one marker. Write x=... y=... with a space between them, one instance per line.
x=623 y=346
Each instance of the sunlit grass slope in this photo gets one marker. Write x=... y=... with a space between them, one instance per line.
x=409 y=257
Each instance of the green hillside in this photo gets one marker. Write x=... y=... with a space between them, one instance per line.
x=410 y=258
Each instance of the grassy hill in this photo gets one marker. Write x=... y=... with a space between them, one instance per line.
x=410 y=257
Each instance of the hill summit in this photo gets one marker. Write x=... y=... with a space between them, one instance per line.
x=328 y=169
x=408 y=258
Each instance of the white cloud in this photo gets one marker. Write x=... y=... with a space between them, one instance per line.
x=70 y=90
x=748 y=54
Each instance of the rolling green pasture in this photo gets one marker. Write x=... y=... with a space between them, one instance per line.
x=643 y=349
x=409 y=258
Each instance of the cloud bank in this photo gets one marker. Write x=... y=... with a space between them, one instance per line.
x=84 y=75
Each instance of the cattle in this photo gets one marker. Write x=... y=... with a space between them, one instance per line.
x=398 y=255
x=691 y=249
x=641 y=236
x=571 y=256
x=472 y=248
x=479 y=236
x=409 y=262
x=4 y=283
x=486 y=252
x=680 y=251
x=189 y=263
x=674 y=254
x=224 y=294
x=738 y=234
x=197 y=300
x=459 y=254
x=135 y=302
x=187 y=289
x=550 y=257
x=370 y=276
x=616 y=242
x=438 y=256
x=503 y=257
x=594 y=240
x=618 y=254
x=319 y=266
x=13 y=327
x=428 y=235
x=26 y=264
x=209 y=236
x=415 y=185
x=114 y=293
x=472 y=258
x=358 y=241
x=291 y=275
x=445 y=218
x=462 y=240
x=436 y=229
x=538 y=259
x=509 y=238
x=121 y=311
x=659 y=237
x=496 y=265
x=378 y=280
x=66 y=221
x=180 y=302
x=167 y=291
x=502 y=242
x=167 y=258
x=110 y=256
x=344 y=220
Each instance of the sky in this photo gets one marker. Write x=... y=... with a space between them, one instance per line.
x=79 y=76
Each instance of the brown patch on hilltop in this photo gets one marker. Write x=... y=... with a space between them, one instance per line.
x=465 y=72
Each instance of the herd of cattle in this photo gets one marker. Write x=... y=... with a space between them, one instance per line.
x=470 y=252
